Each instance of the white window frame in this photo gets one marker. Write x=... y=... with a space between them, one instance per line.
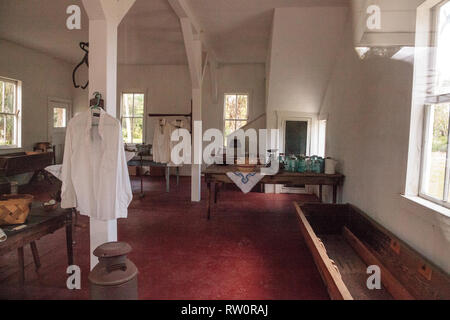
x=427 y=147
x=322 y=147
x=427 y=131
x=17 y=114
x=224 y=108
x=144 y=118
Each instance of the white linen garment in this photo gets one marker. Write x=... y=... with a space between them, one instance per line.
x=161 y=142
x=95 y=173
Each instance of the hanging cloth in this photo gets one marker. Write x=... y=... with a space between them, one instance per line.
x=161 y=142
x=95 y=176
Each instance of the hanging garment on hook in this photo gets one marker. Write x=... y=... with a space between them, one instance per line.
x=95 y=173
x=161 y=142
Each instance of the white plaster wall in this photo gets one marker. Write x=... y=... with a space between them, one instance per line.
x=80 y=97
x=368 y=105
x=245 y=78
x=42 y=77
x=397 y=22
x=168 y=90
x=303 y=52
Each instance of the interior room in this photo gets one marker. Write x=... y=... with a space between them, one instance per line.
x=224 y=149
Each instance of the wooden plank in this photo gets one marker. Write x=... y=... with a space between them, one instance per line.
x=395 y=288
x=326 y=218
x=420 y=277
x=328 y=271
x=352 y=268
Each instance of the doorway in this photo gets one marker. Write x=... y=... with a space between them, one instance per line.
x=297 y=137
x=59 y=114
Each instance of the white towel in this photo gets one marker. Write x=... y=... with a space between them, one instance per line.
x=55 y=170
x=245 y=181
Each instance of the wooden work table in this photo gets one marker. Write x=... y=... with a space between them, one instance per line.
x=216 y=175
x=39 y=224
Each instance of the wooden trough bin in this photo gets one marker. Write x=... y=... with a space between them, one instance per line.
x=344 y=241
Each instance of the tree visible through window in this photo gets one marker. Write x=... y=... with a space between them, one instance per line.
x=235 y=113
x=133 y=117
x=435 y=182
x=59 y=117
x=9 y=113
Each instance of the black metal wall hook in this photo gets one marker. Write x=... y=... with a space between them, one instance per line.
x=85 y=47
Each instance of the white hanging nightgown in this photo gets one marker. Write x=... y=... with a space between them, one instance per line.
x=161 y=143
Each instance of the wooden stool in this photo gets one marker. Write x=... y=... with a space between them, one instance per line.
x=20 y=254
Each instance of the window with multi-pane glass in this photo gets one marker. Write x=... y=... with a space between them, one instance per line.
x=132 y=115
x=235 y=113
x=435 y=178
x=9 y=113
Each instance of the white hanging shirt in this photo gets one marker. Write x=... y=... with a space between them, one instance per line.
x=95 y=173
x=161 y=143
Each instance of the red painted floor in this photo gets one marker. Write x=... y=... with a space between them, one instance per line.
x=251 y=249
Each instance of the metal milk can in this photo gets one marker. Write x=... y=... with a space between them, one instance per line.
x=114 y=277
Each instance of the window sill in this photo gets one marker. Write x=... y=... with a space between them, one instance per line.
x=6 y=148
x=425 y=209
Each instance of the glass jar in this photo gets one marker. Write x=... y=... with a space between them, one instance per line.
x=292 y=164
x=14 y=185
x=301 y=165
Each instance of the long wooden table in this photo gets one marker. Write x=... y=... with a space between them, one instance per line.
x=216 y=175
x=39 y=224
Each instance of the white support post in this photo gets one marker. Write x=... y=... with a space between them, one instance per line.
x=104 y=19
x=197 y=142
x=194 y=55
x=194 y=39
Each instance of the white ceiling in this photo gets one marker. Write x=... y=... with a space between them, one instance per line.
x=41 y=25
x=240 y=29
x=150 y=33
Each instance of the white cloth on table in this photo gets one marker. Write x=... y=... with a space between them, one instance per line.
x=55 y=170
x=244 y=180
x=95 y=176
x=129 y=155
